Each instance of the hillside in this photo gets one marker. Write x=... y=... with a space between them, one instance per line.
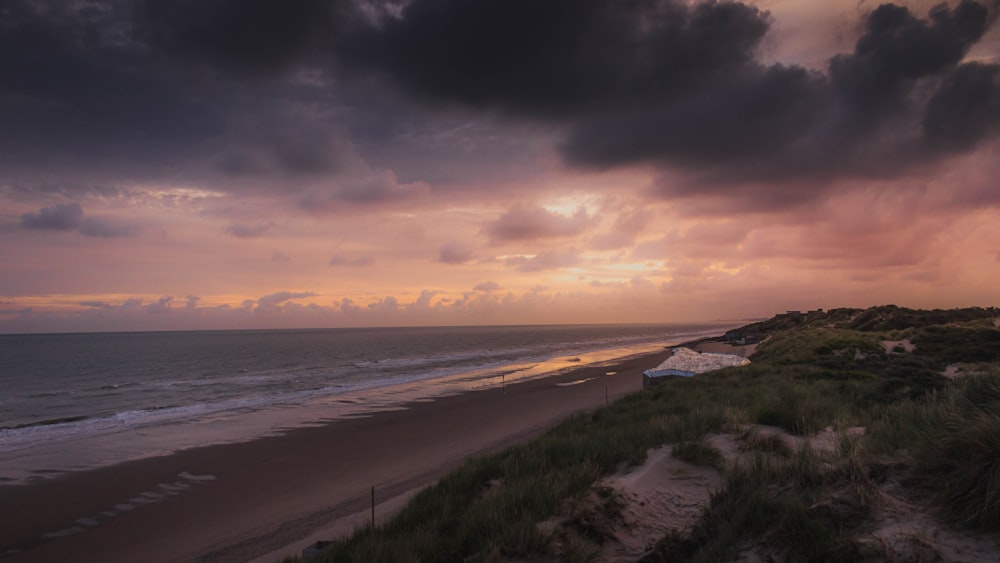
x=859 y=435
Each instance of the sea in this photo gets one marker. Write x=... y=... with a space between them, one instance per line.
x=71 y=402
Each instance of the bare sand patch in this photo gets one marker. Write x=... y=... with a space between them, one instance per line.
x=890 y=345
x=663 y=495
x=629 y=512
x=903 y=524
x=905 y=528
x=713 y=347
x=735 y=447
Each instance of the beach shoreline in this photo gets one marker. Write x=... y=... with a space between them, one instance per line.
x=240 y=501
x=164 y=397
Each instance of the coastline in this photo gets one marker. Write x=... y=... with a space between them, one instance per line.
x=120 y=414
x=236 y=502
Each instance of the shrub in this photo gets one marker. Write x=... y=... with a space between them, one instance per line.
x=699 y=452
x=963 y=465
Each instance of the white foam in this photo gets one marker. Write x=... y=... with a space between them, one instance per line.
x=63 y=533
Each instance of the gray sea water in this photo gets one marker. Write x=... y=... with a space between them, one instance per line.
x=77 y=401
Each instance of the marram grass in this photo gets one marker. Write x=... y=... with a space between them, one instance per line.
x=945 y=433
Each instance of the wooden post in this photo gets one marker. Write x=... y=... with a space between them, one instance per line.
x=373 y=507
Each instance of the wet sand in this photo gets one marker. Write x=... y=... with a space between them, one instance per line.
x=236 y=502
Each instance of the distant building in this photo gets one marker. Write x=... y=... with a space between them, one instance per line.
x=789 y=314
x=739 y=338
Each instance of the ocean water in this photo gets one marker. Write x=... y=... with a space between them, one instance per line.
x=76 y=401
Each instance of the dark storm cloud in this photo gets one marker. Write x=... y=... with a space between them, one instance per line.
x=80 y=99
x=284 y=146
x=69 y=217
x=243 y=35
x=897 y=48
x=752 y=114
x=965 y=109
x=558 y=57
x=76 y=89
x=101 y=227
x=861 y=118
x=678 y=85
x=364 y=191
x=269 y=95
x=94 y=94
x=65 y=217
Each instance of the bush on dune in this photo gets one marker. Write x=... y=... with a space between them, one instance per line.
x=802 y=380
x=963 y=465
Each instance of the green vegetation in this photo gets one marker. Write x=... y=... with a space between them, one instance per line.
x=937 y=437
x=954 y=440
x=773 y=502
x=699 y=452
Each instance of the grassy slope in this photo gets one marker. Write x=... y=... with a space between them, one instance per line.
x=820 y=370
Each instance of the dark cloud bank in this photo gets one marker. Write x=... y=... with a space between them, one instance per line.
x=670 y=84
x=153 y=83
x=69 y=217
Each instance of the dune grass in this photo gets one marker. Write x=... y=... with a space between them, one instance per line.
x=699 y=452
x=767 y=501
x=946 y=434
x=953 y=438
x=756 y=441
x=488 y=508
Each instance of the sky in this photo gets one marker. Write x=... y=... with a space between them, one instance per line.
x=225 y=164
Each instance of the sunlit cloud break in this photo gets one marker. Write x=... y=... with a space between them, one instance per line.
x=218 y=164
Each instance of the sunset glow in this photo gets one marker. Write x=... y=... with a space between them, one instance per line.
x=213 y=165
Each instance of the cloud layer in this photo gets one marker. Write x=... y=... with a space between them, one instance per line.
x=594 y=160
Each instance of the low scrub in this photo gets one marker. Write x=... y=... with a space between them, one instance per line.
x=699 y=452
x=963 y=466
x=770 y=505
x=784 y=503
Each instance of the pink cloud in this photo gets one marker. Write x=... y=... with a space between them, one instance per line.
x=487 y=286
x=455 y=253
x=64 y=217
x=551 y=260
x=251 y=230
x=370 y=191
x=273 y=300
x=524 y=223
x=353 y=261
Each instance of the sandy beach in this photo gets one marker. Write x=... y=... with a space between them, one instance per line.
x=238 y=502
